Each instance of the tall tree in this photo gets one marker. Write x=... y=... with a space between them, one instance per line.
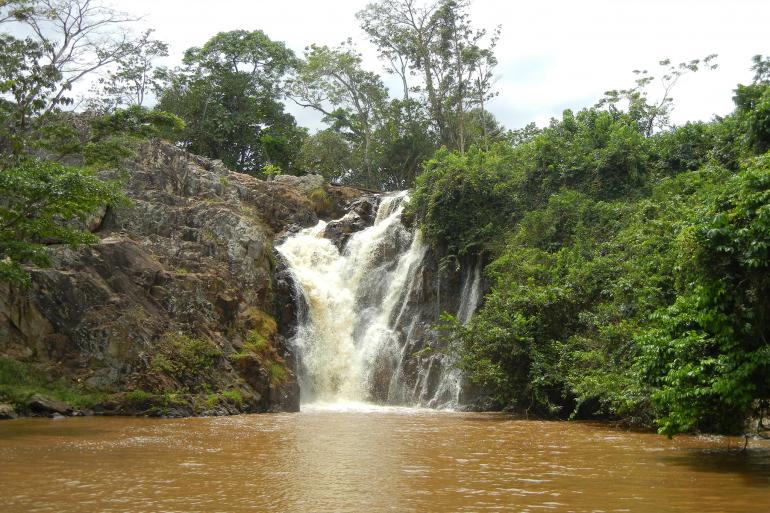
x=437 y=43
x=327 y=153
x=135 y=75
x=332 y=81
x=656 y=114
x=753 y=106
x=228 y=93
x=68 y=40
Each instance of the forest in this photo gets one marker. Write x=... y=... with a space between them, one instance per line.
x=628 y=259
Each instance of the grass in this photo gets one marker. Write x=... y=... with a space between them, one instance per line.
x=278 y=373
x=258 y=346
x=320 y=200
x=182 y=357
x=233 y=396
x=21 y=380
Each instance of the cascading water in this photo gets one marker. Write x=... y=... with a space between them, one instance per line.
x=362 y=324
x=449 y=383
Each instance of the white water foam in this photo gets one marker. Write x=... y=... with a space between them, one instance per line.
x=352 y=346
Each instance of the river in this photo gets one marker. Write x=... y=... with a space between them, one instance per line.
x=369 y=459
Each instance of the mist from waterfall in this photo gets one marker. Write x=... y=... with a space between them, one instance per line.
x=361 y=326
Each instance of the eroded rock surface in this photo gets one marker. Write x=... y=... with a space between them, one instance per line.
x=174 y=311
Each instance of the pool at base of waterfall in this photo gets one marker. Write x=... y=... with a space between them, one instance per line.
x=353 y=457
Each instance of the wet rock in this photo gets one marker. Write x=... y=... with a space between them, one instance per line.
x=105 y=408
x=340 y=230
x=365 y=207
x=7 y=412
x=42 y=405
x=192 y=253
x=361 y=213
x=285 y=398
x=176 y=413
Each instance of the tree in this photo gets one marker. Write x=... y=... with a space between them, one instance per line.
x=69 y=40
x=437 y=43
x=327 y=153
x=470 y=67
x=228 y=93
x=708 y=355
x=651 y=116
x=753 y=106
x=483 y=129
x=332 y=82
x=134 y=76
x=21 y=72
x=404 y=141
x=463 y=200
x=39 y=202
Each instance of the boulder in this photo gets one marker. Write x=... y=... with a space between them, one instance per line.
x=365 y=207
x=340 y=230
x=42 y=405
x=361 y=213
x=7 y=412
x=304 y=183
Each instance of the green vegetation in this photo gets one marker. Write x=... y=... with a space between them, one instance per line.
x=233 y=396
x=40 y=201
x=629 y=268
x=278 y=373
x=189 y=360
x=43 y=201
x=320 y=200
x=463 y=200
x=19 y=381
x=258 y=347
x=227 y=92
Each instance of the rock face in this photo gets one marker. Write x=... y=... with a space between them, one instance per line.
x=174 y=311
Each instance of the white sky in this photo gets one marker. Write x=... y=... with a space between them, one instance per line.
x=553 y=54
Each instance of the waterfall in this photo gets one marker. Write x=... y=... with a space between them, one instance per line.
x=450 y=379
x=366 y=314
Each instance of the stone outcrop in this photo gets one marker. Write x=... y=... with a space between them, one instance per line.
x=179 y=309
x=7 y=412
x=361 y=213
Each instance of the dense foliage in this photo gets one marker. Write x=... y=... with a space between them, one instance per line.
x=629 y=269
x=708 y=355
x=228 y=93
x=42 y=202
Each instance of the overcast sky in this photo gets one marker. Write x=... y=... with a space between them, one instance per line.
x=553 y=54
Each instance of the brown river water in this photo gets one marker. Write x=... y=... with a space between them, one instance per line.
x=369 y=460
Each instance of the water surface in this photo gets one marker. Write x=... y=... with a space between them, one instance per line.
x=349 y=459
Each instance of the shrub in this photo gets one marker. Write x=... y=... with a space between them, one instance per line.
x=188 y=360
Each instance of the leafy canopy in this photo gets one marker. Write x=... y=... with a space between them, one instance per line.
x=45 y=202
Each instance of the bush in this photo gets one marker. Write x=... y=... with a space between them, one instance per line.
x=189 y=360
x=138 y=122
x=38 y=199
x=707 y=356
x=463 y=201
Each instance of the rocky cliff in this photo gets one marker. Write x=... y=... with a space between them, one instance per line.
x=180 y=309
